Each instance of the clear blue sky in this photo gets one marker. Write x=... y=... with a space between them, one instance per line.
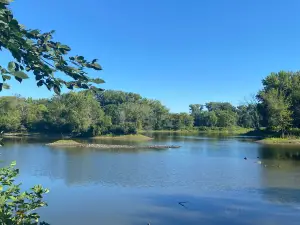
x=179 y=52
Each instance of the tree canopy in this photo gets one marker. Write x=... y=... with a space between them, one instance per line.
x=36 y=54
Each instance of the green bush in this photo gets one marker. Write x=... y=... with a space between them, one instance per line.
x=16 y=207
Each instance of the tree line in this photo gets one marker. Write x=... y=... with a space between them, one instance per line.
x=86 y=113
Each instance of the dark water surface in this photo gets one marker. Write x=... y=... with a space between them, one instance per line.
x=208 y=174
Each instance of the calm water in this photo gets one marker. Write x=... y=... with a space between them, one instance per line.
x=209 y=174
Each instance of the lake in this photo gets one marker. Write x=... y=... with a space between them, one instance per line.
x=206 y=181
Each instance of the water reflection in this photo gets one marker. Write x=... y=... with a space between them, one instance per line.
x=280 y=152
x=220 y=210
x=207 y=172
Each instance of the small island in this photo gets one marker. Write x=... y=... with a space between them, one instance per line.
x=72 y=143
x=280 y=141
x=129 y=137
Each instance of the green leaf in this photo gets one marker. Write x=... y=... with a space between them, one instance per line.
x=20 y=74
x=38 y=77
x=70 y=86
x=12 y=198
x=34 y=32
x=29 y=42
x=56 y=89
x=95 y=89
x=11 y=66
x=5 y=77
x=19 y=79
x=5 y=86
x=14 y=24
x=84 y=86
x=65 y=47
x=98 y=81
x=13 y=163
x=96 y=66
x=5 y=2
x=4 y=71
x=40 y=83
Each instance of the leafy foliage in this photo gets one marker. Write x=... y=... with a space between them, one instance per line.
x=16 y=207
x=113 y=112
x=118 y=112
x=10 y=119
x=37 y=54
x=280 y=101
x=220 y=114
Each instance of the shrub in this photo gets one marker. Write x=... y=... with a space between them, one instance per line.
x=18 y=208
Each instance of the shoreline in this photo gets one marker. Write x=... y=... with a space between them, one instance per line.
x=279 y=141
x=242 y=131
x=141 y=135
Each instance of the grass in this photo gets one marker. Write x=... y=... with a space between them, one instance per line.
x=168 y=131
x=65 y=143
x=225 y=130
x=130 y=137
x=206 y=130
x=276 y=141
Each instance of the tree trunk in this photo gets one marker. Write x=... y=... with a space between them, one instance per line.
x=282 y=134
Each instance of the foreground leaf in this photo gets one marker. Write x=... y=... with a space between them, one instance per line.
x=20 y=74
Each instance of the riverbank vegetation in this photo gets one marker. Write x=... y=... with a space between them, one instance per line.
x=113 y=113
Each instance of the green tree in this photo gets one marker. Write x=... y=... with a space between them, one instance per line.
x=278 y=110
x=186 y=121
x=159 y=114
x=195 y=111
x=117 y=97
x=208 y=119
x=77 y=113
x=221 y=114
x=10 y=118
x=34 y=117
x=216 y=106
x=124 y=107
x=279 y=101
x=180 y=121
x=226 y=118
x=248 y=116
x=37 y=53
x=138 y=113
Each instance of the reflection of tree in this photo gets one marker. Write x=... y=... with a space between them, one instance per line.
x=279 y=152
x=279 y=178
x=109 y=167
